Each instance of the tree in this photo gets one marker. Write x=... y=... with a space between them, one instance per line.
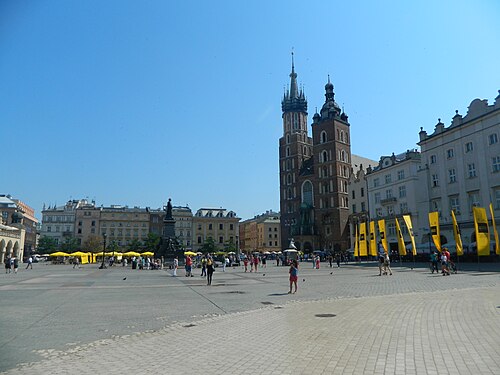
x=70 y=245
x=209 y=246
x=93 y=244
x=152 y=242
x=229 y=246
x=46 y=245
x=112 y=247
x=135 y=245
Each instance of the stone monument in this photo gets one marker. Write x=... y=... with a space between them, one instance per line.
x=168 y=244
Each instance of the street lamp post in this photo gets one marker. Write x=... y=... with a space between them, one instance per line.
x=102 y=266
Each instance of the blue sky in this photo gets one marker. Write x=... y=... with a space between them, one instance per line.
x=133 y=102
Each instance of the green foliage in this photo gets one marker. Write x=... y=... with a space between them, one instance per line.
x=93 y=244
x=209 y=246
x=152 y=242
x=113 y=246
x=46 y=245
x=135 y=245
x=70 y=245
x=229 y=246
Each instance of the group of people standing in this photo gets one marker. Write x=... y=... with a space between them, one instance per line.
x=11 y=263
x=444 y=259
x=254 y=262
x=207 y=267
x=384 y=264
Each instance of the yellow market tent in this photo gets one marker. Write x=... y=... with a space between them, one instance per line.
x=131 y=254
x=84 y=257
x=59 y=254
x=190 y=253
x=148 y=253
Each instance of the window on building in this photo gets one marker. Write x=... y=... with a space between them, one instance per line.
x=403 y=208
x=231 y=226
x=221 y=239
x=433 y=159
x=450 y=153
x=353 y=194
x=210 y=226
x=49 y=229
x=469 y=147
x=307 y=193
x=455 y=204
x=388 y=194
x=388 y=179
x=93 y=223
x=79 y=223
x=79 y=230
x=376 y=182
x=471 y=168
x=199 y=239
x=452 y=178
x=496 y=195
x=495 y=164
x=379 y=213
x=391 y=229
x=473 y=199
x=493 y=138
x=324 y=156
x=353 y=208
x=402 y=191
x=362 y=192
x=435 y=180
x=221 y=226
x=363 y=207
x=377 y=197
x=323 y=137
x=390 y=210
x=436 y=205
x=401 y=175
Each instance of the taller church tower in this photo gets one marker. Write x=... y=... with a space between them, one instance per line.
x=314 y=173
x=295 y=152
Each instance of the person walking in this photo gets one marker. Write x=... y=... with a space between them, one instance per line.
x=294 y=275
x=210 y=270
x=317 y=262
x=8 y=267
x=277 y=261
x=380 y=264
x=245 y=263
x=338 y=260
x=387 y=265
x=434 y=262
x=255 y=262
x=16 y=264
x=189 y=266
x=30 y=263
x=175 y=266
x=76 y=263
x=224 y=259
x=204 y=266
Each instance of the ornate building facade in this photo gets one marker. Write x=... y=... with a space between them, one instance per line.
x=314 y=172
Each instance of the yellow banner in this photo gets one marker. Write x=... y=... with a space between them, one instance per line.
x=434 y=225
x=482 y=231
x=401 y=241
x=456 y=234
x=363 y=251
x=356 y=243
x=383 y=238
x=373 y=240
x=407 y=220
x=495 y=231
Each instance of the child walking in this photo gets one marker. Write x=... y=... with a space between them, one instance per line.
x=294 y=275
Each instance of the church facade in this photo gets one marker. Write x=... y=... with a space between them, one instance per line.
x=314 y=172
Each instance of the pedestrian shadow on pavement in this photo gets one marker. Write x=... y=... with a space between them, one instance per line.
x=277 y=294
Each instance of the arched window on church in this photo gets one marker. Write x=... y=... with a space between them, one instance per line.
x=288 y=151
x=324 y=156
x=288 y=138
x=323 y=137
x=289 y=193
x=305 y=150
x=307 y=193
x=325 y=172
x=341 y=136
x=295 y=121
x=289 y=179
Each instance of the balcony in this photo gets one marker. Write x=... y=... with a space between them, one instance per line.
x=388 y=200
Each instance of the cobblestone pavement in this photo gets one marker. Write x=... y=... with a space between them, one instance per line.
x=359 y=323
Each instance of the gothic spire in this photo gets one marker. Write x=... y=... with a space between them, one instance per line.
x=294 y=93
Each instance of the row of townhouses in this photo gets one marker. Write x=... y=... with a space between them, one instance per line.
x=82 y=219
x=457 y=168
x=325 y=190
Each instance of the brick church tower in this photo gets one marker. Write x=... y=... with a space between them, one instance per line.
x=314 y=173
